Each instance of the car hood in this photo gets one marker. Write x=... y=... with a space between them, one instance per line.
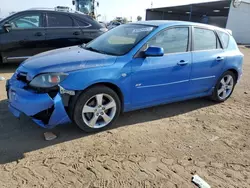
x=64 y=60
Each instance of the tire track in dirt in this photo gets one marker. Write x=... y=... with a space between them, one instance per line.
x=135 y=170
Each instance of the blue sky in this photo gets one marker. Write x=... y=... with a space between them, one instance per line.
x=109 y=9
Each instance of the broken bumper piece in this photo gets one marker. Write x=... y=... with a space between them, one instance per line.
x=47 y=112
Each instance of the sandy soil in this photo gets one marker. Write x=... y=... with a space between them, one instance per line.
x=157 y=147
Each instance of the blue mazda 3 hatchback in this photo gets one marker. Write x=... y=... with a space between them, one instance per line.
x=133 y=66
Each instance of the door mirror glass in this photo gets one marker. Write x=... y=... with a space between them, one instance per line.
x=154 y=52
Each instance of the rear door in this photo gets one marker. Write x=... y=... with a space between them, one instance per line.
x=208 y=60
x=61 y=31
x=26 y=37
x=88 y=31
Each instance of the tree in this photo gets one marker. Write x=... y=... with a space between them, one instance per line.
x=139 y=18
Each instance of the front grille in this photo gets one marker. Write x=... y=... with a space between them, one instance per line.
x=22 y=76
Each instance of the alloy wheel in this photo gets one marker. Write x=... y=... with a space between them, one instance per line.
x=99 y=111
x=226 y=87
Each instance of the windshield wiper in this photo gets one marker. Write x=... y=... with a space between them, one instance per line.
x=92 y=49
x=99 y=51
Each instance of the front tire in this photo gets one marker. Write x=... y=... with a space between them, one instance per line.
x=96 y=109
x=224 y=87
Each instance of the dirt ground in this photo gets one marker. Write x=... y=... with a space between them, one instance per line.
x=156 y=147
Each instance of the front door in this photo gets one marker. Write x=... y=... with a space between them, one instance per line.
x=158 y=79
x=208 y=60
x=26 y=37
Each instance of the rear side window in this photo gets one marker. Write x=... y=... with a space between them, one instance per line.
x=59 y=20
x=82 y=23
x=204 y=39
x=224 y=38
x=174 y=40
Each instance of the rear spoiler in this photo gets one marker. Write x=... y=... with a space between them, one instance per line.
x=229 y=31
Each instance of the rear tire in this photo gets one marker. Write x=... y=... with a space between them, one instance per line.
x=224 y=87
x=96 y=109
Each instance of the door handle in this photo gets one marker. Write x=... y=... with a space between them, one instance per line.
x=219 y=58
x=39 y=34
x=182 y=62
x=76 y=33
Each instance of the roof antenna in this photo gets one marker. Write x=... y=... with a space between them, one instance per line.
x=151 y=4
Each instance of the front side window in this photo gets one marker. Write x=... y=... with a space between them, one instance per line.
x=26 y=21
x=59 y=20
x=224 y=38
x=174 y=40
x=120 y=40
x=204 y=39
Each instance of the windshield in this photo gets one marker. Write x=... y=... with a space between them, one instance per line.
x=85 y=6
x=120 y=40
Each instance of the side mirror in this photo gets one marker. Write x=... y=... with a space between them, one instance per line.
x=7 y=27
x=154 y=52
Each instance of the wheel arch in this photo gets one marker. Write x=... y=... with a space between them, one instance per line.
x=235 y=72
x=114 y=87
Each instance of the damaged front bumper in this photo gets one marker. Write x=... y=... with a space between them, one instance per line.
x=44 y=110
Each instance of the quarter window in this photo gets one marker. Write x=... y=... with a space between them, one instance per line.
x=59 y=20
x=204 y=39
x=224 y=38
x=82 y=23
x=27 y=21
x=174 y=40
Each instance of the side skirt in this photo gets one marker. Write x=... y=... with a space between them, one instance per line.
x=168 y=101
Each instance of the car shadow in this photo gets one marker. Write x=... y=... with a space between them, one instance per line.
x=18 y=137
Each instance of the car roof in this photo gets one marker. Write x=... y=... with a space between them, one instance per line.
x=53 y=11
x=166 y=23
x=76 y=13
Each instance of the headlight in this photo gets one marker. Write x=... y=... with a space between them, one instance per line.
x=48 y=80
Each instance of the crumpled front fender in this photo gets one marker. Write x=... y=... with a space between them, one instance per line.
x=31 y=104
x=59 y=115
